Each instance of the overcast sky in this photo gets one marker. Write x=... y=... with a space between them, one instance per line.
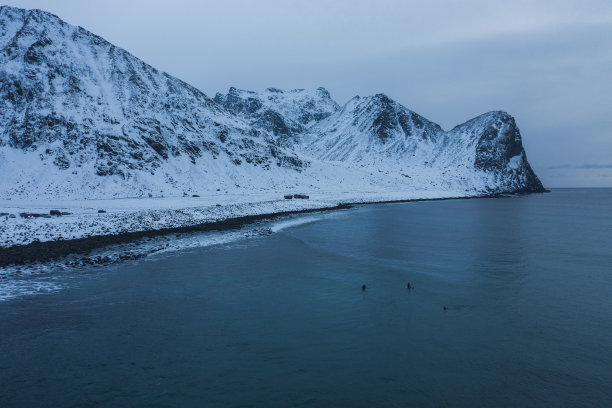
x=547 y=62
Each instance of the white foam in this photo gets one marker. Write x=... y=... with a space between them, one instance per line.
x=16 y=281
x=279 y=226
x=14 y=288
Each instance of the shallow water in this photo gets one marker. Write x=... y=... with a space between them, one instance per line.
x=282 y=321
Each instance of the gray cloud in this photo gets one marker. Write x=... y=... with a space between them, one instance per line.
x=595 y=166
x=581 y=166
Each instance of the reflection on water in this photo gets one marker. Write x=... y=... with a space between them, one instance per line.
x=282 y=320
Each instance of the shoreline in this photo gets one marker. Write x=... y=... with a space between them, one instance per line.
x=46 y=251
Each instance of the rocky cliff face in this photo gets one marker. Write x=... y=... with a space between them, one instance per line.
x=498 y=151
x=82 y=118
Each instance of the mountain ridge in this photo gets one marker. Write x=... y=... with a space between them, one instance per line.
x=89 y=119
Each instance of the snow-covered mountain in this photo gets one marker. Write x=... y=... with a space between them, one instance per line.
x=376 y=129
x=82 y=118
x=284 y=114
x=373 y=129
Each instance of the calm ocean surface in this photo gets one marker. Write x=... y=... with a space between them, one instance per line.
x=281 y=321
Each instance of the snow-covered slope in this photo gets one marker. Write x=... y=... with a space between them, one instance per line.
x=370 y=130
x=485 y=153
x=81 y=119
x=284 y=114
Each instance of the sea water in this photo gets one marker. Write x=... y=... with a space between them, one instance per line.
x=282 y=320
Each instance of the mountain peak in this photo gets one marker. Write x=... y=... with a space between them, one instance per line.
x=283 y=113
x=92 y=120
x=491 y=118
x=383 y=98
x=91 y=112
x=9 y=11
x=324 y=91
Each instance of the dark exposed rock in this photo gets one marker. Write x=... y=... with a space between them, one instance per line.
x=499 y=151
x=45 y=251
